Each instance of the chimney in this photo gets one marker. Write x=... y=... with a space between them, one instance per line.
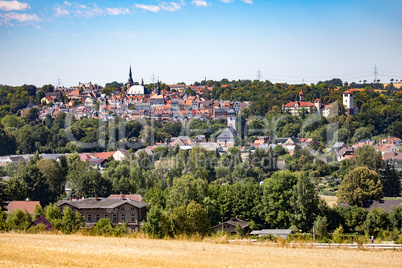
x=121 y=196
x=37 y=216
x=70 y=198
x=96 y=198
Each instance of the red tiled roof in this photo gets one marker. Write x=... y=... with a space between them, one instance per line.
x=29 y=206
x=348 y=92
x=300 y=103
x=301 y=92
x=104 y=155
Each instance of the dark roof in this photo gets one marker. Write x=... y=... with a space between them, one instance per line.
x=103 y=203
x=42 y=220
x=385 y=204
x=228 y=133
x=234 y=222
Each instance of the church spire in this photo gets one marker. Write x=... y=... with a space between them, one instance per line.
x=142 y=82
x=130 y=78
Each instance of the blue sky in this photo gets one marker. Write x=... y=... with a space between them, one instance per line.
x=288 y=40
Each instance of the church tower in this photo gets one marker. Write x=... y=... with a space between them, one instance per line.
x=301 y=94
x=158 y=89
x=130 y=81
x=348 y=102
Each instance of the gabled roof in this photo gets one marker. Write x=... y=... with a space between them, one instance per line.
x=234 y=222
x=345 y=150
x=29 y=206
x=42 y=220
x=385 y=204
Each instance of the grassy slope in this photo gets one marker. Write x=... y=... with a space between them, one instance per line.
x=23 y=250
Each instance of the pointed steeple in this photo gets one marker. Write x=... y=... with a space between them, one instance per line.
x=158 y=89
x=130 y=81
x=142 y=82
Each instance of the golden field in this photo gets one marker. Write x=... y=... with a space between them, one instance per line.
x=331 y=200
x=49 y=250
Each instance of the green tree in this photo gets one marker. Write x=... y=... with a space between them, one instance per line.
x=156 y=224
x=304 y=202
x=12 y=121
x=320 y=226
x=184 y=190
x=197 y=219
x=359 y=185
x=390 y=181
x=54 y=215
x=38 y=211
x=277 y=192
x=68 y=221
x=366 y=156
x=376 y=221
x=395 y=217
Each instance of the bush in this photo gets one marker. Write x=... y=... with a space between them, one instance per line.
x=40 y=228
x=18 y=220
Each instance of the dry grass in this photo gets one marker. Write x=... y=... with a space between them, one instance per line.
x=49 y=250
x=331 y=200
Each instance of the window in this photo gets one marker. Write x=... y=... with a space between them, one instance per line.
x=122 y=208
x=97 y=217
x=106 y=216
x=132 y=208
x=123 y=218
x=132 y=218
x=114 y=218
x=89 y=217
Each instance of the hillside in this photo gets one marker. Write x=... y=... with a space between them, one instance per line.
x=23 y=250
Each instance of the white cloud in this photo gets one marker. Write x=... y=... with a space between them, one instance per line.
x=13 y=5
x=171 y=6
x=117 y=11
x=67 y=3
x=151 y=8
x=226 y=1
x=21 y=17
x=247 y=1
x=199 y=3
x=61 y=12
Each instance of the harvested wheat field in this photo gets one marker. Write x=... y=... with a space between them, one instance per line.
x=48 y=250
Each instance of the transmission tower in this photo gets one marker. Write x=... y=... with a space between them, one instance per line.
x=153 y=78
x=259 y=74
x=375 y=73
x=58 y=82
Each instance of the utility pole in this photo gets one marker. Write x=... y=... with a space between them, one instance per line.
x=375 y=73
